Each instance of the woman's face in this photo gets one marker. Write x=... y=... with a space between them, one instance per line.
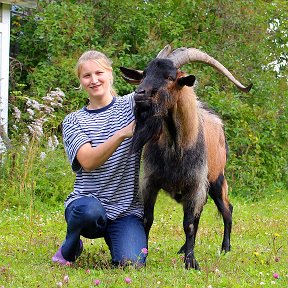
x=95 y=79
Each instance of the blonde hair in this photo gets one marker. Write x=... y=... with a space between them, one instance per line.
x=101 y=59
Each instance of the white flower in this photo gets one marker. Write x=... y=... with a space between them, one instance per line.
x=36 y=128
x=42 y=155
x=54 y=98
x=66 y=279
x=60 y=92
x=50 y=144
x=17 y=113
x=47 y=98
x=31 y=113
x=33 y=103
x=55 y=140
x=48 y=110
x=26 y=139
x=56 y=104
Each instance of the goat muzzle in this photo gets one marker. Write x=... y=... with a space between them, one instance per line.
x=142 y=101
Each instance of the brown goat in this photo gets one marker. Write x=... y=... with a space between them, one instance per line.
x=185 y=147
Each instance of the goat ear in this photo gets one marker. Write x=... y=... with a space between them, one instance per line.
x=186 y=81
x=131 y=76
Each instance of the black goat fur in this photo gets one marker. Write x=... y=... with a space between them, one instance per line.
x=172 y=127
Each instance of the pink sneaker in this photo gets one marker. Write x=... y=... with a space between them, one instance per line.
x=58 y=257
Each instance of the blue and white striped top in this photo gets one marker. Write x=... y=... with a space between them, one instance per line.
x=116 y=183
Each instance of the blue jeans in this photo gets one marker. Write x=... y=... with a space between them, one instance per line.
x=124 y=236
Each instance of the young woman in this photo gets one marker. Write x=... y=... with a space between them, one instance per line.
x=105 y=201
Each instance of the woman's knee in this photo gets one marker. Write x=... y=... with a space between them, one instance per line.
x=87 y=212
x=127 y=241
x=94 y=210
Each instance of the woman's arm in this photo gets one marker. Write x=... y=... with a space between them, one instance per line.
x=91 y=158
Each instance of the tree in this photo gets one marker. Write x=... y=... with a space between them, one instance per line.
x=246 y=37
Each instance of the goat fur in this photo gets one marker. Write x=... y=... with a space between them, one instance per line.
x=184 y=154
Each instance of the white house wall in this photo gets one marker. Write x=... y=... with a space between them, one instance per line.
x=4 y=64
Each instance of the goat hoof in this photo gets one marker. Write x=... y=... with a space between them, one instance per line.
x=226 y=248
x=191 y=264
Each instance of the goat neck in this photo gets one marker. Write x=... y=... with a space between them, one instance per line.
x=184 y=116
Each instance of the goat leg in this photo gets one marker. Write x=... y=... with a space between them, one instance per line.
x=182 y=249
x=196 y=223
x=218 y=191
x=227 y=218
x=149 y=193
x=190 y=224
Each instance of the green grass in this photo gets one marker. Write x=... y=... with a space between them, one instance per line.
x=259 y=249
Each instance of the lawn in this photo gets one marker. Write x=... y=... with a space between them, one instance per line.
x=259 y=255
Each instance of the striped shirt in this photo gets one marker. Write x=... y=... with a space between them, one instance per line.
x=115 y=183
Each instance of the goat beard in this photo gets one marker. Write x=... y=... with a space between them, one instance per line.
x=148 y=125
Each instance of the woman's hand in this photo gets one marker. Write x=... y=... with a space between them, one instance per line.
x=127 y=132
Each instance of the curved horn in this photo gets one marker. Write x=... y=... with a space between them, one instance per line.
x=185 y=55
x=164 y=52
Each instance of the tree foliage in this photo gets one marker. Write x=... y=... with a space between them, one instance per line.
x=249 y=37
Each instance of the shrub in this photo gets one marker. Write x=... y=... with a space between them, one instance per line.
x=247 y=39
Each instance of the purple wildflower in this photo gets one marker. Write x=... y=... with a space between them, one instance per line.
x=128 y=280
x=276 y=275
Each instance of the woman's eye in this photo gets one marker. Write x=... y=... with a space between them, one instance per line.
x=170 y=78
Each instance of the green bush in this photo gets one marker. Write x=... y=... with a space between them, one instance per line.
x=34 y=173
x=246 y=38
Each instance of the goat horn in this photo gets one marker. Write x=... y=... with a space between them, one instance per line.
x=185 y=55
x=164 y=52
